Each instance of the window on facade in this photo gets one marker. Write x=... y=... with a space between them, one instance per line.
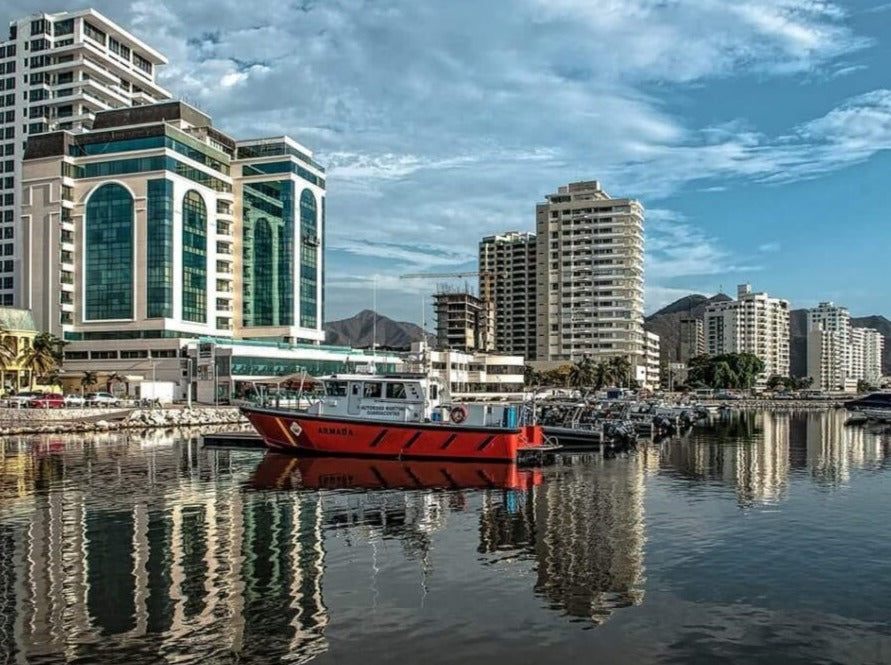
x=159 y=249
x=142 y=63
x=194 y=258
x=65 y=27
x=108 y=283
x=308 y=259
x=94 y=33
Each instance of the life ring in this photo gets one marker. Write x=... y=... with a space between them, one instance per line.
x=458 y=414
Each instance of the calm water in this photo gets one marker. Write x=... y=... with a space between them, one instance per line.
x=762 y=539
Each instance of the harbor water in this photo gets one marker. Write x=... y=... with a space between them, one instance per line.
x=761 y=538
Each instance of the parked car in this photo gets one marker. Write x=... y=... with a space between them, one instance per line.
x=102 y=399
x=23 y=398
x=74 y=400
x=48 y=401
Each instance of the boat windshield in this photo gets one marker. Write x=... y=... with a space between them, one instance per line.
x=336 y=388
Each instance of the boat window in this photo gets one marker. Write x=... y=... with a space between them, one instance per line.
x=433 y=391
x=336 y=388
x=372 y=390
x=396 y=390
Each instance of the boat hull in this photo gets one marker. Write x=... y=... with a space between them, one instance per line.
x=297 y=432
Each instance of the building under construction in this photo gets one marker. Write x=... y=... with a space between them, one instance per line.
x=463 y=321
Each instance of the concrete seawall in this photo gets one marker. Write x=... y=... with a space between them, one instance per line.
x=37 y=421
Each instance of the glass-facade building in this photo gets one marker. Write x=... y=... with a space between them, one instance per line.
x=156 y=225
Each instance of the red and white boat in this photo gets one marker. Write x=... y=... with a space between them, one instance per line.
x=396 y=416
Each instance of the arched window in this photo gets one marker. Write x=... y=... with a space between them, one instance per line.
x=264 y=273
x=309 y=250
x=108 y=254
x=194 y=258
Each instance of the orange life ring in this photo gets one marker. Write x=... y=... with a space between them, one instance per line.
x=458 y=414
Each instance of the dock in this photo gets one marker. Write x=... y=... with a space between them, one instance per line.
x=239 y=440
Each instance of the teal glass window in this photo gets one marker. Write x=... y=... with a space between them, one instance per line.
x=271 y=168
x=194 y=258
x=267 y=253
x=108 y=255
x=159 y=249
x=309 y=250
x=147 y=165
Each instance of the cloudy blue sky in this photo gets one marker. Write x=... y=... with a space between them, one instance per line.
x=755 y=132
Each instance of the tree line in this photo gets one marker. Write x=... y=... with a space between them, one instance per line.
x=586 y=373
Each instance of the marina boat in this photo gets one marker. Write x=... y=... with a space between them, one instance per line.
x=397 y=416
x=278 y=471
x=874 y=401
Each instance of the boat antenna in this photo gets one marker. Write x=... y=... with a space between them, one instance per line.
x=373 y=324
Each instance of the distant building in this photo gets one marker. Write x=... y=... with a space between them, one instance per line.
x=62 y=69
x=470 y=374
x=753 y=323
x=507 y=277
x=589 y=275
x=649 y=373
x=692 y=339
x=17 y=333
x=463 y=322
x=839 y=355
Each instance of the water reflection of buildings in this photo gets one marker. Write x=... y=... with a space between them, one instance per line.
x=585 y=529
x=126 y=557
x=755 y=452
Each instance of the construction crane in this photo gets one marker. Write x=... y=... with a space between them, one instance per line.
x=485 y=276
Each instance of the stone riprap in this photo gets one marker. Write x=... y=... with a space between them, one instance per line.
x=38 y=421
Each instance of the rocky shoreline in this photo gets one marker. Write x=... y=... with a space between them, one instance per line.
x=72 y=421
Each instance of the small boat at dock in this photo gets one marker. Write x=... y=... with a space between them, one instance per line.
x=398 y=416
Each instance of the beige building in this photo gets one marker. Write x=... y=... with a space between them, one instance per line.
x=62 y=70
x=753 y=323
x=589 y=266
x=507 y=277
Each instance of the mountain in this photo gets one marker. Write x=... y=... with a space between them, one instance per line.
x=667 y=321
x=367 y=327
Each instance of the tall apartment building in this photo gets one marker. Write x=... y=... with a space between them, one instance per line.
x=867 y=349
x=753 y=323
x=156 y=225
x=589 y=266
x=838 y=354
x=649 y=373
x=57 y=71
x=691 y=342
x=463 y=322
x=507 y=272
x=829 y=350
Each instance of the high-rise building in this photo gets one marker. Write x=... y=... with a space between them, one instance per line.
x=59 y=71
x=156 y=225
x=649 y=374
x=867 y=349
x=753 y=323
x=838 y=354
x=691 y=342
x=589 y=267
x=507 y=273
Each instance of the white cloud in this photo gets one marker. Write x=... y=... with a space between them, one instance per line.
x=441 y=122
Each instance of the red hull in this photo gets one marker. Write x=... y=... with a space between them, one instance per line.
x=277 y=471
x=326 y=435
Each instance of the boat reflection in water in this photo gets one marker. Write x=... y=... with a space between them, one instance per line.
x=278 y=471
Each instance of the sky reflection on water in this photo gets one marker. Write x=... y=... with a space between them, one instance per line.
x=760 y=539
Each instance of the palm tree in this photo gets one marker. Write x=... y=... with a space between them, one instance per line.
x=43 y=356
x=600 y=375
x=114 y=378
x=88 y=379
x=620 y=367
x=8 y=351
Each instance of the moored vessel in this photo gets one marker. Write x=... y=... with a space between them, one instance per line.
x=396 y=416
